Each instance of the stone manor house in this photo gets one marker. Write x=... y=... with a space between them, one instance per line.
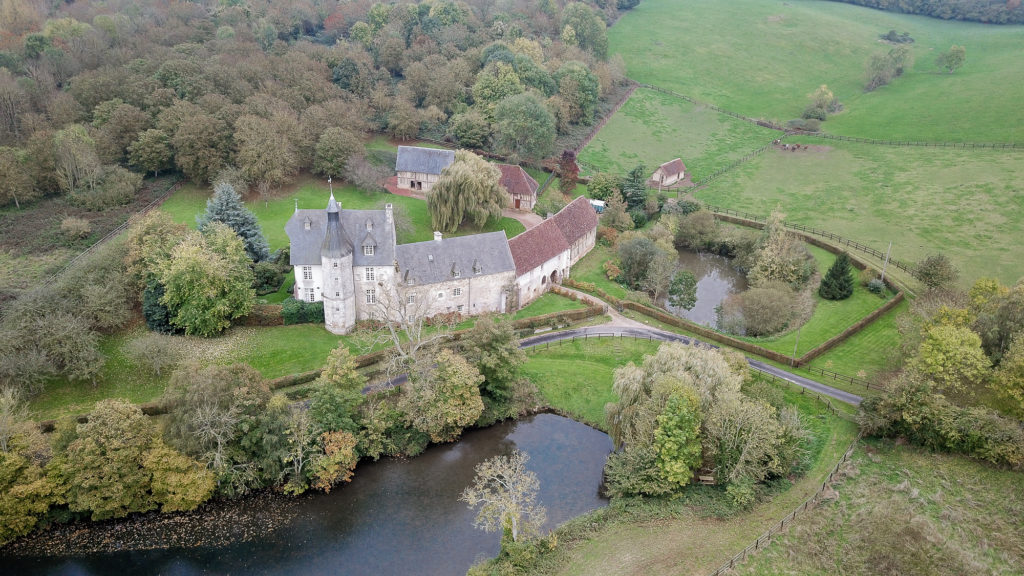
x=351 y=261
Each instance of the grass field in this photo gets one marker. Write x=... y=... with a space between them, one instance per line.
x=903 y=510
x=763 y=58
x=590 y=268
x=653 y=128
x=190 y=201
x=969 y=206
x=547 y=304
x=576 y=377
x=869 y=350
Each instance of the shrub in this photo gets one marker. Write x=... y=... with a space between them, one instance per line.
x=266 y=277
x=804 y=124
x=158 y=317
x=760 y=311
x=876 y=286
x=936 y=271
x=639 y=217
x=607 y=236
x=612 y=270
x=867 y=275
x=116 y=187
x=301 y=312
x=74 y=228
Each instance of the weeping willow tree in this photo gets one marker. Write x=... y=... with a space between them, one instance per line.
x=467 y=191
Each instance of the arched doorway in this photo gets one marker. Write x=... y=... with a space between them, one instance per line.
x=554 y=277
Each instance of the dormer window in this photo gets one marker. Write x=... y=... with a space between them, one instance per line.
x=477 y=269
x=430 y=257
x=307 y=223
x=367 y=250
x=455 y=271
x=369 y=224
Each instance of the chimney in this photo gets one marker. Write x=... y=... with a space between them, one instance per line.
x=437 y=236
x=389 y=212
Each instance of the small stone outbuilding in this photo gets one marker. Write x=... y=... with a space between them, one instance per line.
x=669 y=173
x=419 y=168
x=521 y=187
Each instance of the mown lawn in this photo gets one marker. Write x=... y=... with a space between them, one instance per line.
x=910 y=511
x=547 y=304
x=967 y=205
x=653 y=128
x=870 y=350
x=190 y=201
x=830 y=317
x=591 y=269
x=763 y=59
x=576 y=376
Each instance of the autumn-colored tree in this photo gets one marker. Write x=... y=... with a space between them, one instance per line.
x=506 y=493
x=178 y=483
x=333 y=151
x=151 y=151
x=568 y=172
x=952 y=357
x=15 y=181
x=677 y=437
x=443 y=399
x=338 y=461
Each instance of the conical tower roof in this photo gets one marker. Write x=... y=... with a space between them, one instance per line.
x=336 y=243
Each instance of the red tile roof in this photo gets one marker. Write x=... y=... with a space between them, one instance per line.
x=576 y=220
x=672 y=167
x=536 y=246
x=516 y=181
x=552 y=236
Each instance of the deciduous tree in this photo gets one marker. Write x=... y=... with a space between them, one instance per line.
x=952 y=357
x=952 y=59
x=524 y=128
x=151 y=152
x=443 y=399
x=506 y=493
x=468 y=190
x=15 y=181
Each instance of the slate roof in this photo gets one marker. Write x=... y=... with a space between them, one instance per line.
x=576 y=220
x=424 y=160
x=516 y=181
x=433 y=261
x=306 y=244
x=552 y=236
x=672 y=167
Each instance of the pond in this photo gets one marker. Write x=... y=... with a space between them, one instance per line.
x=716 y=280
x=396 y=516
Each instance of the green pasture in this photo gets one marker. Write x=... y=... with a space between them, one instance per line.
x=763 y=58
x=870 y=350
x=653 y=128
x=190 y=201
x=897 y=502
x=968 y=205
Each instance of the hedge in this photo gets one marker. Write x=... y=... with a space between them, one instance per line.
x=300 y=312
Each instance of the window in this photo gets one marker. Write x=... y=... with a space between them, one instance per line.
x=410 y=299
x=307 y=272
x=440 y=295
x=371 y=296
x=457 y=292
x=460 y=308
x=310 y=295
x=370 y=273
x=367 y=250
x=456 y=273
x=337 y=294
x=335 y=264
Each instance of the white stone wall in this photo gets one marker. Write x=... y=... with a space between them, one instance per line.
x=536 y=282
x=338 y=297
x=474 y=294
x=381 y=275
x=582 y=247
x=315 y=283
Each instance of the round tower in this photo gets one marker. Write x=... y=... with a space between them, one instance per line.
x=336 y=259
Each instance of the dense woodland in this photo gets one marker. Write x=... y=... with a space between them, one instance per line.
x=989 y=11
x=90 y=90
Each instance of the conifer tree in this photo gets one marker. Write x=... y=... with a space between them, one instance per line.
x=634 y=187
x=226 y=206
x=838 y=281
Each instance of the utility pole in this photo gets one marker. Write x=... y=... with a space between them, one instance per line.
x=886 y=264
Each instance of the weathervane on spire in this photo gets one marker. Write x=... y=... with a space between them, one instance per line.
x=331 y=185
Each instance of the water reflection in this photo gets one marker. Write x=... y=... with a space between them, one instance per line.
x=396 y=517
x=716 y=280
